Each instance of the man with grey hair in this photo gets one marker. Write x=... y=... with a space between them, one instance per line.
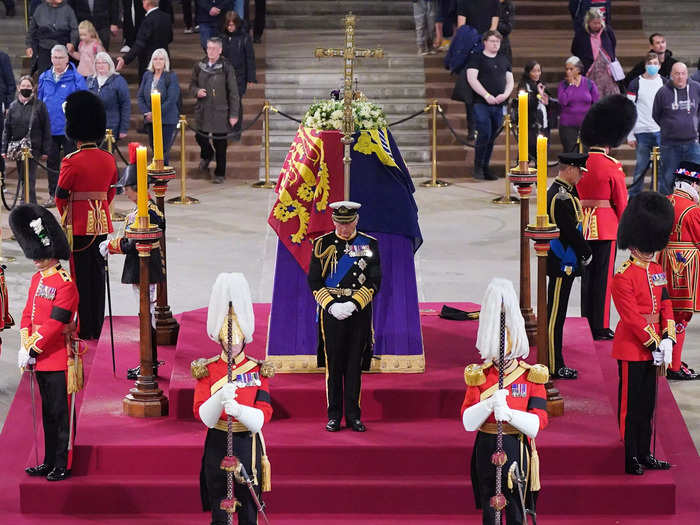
x=55 y=85
x=53 y=22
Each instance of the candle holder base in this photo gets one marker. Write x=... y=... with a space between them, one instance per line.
x=518 y=176
x=161 y=173
x=145 y=403
x=263 y=184
x=505 y=199
x=555 y=403
x=167 y=328
x=149 y=234
x=186 y=201
x=437 y=183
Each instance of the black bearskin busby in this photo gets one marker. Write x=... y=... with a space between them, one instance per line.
x=608 y=122
x=38 y=233
x=86 y=119
x=646 y=223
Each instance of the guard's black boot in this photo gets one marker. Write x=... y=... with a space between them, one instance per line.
x=565 y=372
x=357 y=425
x=333 y=425
x=39 y=470
x=58 y=474
x=634 y=468
x=651 y=463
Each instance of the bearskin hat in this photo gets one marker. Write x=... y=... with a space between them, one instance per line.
x=646 y=223
x=608 y=122
x=85 y=117
x=38 y=233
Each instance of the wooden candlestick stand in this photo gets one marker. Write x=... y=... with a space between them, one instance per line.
x=167 y=328
x=524 y=177
x=145 y=399
x=542 y=233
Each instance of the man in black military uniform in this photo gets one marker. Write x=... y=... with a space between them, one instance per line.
x=344 y=276
x=567 y=254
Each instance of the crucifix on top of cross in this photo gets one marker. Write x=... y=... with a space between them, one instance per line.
x=349 y=54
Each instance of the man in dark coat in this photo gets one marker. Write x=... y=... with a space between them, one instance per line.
x=53 y=22
x=216 y=111
x=134 y=11
x=104 y=15
x=666 y=60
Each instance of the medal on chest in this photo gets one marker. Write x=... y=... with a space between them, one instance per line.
x=658 y=279
x=46 y=292
x=518 y=390
x=248 y=379
x=358 y=250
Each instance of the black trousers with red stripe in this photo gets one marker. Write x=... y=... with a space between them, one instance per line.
x=595 y=284
x=55 y=417
x=636 y=397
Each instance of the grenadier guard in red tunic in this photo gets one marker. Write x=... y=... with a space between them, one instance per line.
x=646 y=332
x=521 y=406
x=246 y=399
x=681 y=261
x=603 y=195
x=46 y=329
x=85 y=190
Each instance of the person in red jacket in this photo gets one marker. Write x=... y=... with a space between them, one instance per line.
x=47 y=323
x=681 y=261
x=646 y=332
x=521 y=406
x=246 y=399
x=603 y=195
x=85 y=190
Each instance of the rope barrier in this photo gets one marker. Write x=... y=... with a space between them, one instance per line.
x=401 y=121
x=227 y=135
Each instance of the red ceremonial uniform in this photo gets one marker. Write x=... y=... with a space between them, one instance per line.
x=51 y=306
x=681 y=262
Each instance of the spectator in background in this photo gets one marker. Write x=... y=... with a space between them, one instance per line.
x=103 y=14
x=52 y=23
x=259 y=24
x=465 y=42
x=696 y=75
x=7 y=92
x=9 y=8
x=490 y=77
x=506 y=21
x=187 y=19
x=576 y=95
x=155 y=32
x=676 y=110
x=88 y=48
x=238 y=50
x=538 y=102
x=424 y=18
x=28 y=117
x=480 y=14
x=445 y=18
x=646 y=133
x=210 y=16
x=33 y=5
x=113 y=90
x=134 y=12
x=666 y=60
x=55 y=85
x=159 y=78
x=214 y=86
x=594 y=43
x=579 y=8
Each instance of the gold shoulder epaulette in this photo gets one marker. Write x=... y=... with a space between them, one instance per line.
x=152 y=206
x=71 y=154
x=624 y=266
x=525 y=365
x=267 y=368
x=199 y=369
x=65 y=275
x=562 y=194
x=538 y=374
x=474 y=375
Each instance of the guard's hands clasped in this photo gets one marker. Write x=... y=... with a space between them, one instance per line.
x=342 y=311
x=658 y=356
x=228 y=392
x=666 y=347
x=23 y=359
x=104 y=249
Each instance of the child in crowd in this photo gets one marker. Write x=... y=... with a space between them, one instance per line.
x=90 y=44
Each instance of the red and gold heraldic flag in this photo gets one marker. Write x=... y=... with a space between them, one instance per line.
x=311 y=178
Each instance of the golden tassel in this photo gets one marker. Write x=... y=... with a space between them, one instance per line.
x=266 y=474
x=534 y=468
x=75 y=375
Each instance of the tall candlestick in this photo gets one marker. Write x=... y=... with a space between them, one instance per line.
x=157 y=126
x=522 y=126
x=541 y=175
x=141 y=184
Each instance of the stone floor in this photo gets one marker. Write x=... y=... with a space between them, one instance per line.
x=468 y=241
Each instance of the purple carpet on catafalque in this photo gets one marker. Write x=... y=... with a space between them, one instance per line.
x=410 y=467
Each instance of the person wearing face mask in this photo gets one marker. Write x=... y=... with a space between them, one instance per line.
x=28 y=117
x=646 y=133
x=666 y=60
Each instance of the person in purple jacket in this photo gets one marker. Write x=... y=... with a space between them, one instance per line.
x=576 y=95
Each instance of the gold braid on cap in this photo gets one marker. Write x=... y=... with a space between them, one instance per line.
x=237 y=336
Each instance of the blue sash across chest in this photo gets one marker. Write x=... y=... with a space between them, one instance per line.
x=344 y=264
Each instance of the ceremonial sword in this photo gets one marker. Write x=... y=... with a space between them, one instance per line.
x=109 y=306
x=249 y=484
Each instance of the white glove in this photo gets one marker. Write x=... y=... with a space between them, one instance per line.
x=232 y=408
x=587 y=260
x=228 y=393
x=350 y=307
x=666 y=346
x=104 y=249
x=499 y=398
x=658 y=356
x=337 y=310
x=22 y=358
x=504 y=414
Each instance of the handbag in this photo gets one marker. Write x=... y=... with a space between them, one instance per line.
x=14 y=147
x=616 y=70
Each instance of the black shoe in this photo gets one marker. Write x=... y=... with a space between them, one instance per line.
x=478 y=173
x=488 y=175
x=471 y=136
x=58 y=474
x=651 y=463
x=133 y=373
x=565 y=373
x=604 y=334
x=333 y=425
x=634 y=468
x=217 y=180
x=257 y=40
x=685 y=368
x=357 y=425
x=681 y=375
x=39 y=470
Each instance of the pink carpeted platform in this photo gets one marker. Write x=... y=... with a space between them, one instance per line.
x=410 y=467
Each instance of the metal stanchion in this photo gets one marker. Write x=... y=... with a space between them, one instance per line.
x=266 y=144
x=183 y=198
x=26 y=155
x=117 y=216
x=507 y=198
x=26 y=16
x=434 y=182
x=655 y=157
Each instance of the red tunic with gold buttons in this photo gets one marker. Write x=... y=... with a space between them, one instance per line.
x=51 y=306
x=85 y=190
x=603 y=196
x=646 y=316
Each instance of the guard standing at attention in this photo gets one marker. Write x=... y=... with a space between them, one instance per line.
x=46 y=331
x=85 y=190
x=567 y=254
x=344 y=276
x=646 y=332
x=603 y=195
x=681 y=261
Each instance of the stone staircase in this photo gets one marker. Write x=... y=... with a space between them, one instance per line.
x=294 y=79
x=679 y=21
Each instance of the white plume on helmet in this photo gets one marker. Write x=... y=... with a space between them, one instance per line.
x=230 y=287
x=501 y=292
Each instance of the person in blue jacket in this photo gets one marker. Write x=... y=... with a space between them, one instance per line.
x=158 y=77
x=210 y=15
x=112 y=88
x=55 y=84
